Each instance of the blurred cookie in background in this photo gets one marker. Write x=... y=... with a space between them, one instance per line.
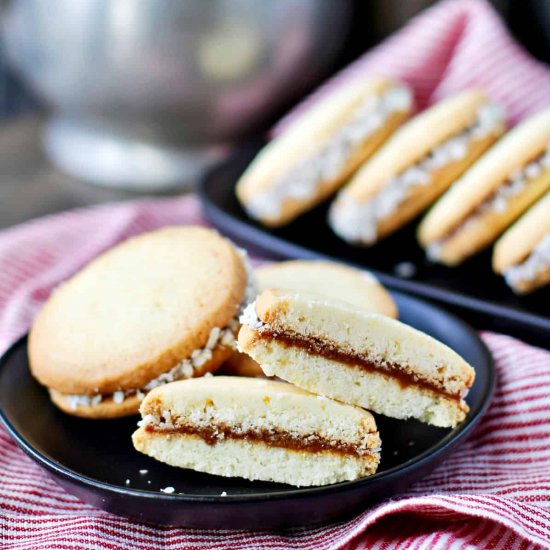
x=321 y=149
x=522 y=254
x=415 y=166
x=508 y=179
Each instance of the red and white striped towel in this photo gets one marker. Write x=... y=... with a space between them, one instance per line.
x=453 y=46
x=494 y=492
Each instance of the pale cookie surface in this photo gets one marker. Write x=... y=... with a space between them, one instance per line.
x=522 y=254
x=497 y=189
x=241 y=364
x=321 y=149
x=135 y=313
x=329 y=279
x=415 y=166
x=257 y=429
x=365 y=359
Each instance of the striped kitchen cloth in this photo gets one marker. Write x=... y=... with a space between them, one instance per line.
x=493 y=492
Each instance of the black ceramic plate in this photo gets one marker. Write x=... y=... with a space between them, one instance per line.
x=472 y=289
x=93 y=458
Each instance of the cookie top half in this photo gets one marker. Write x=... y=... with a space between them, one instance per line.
x=520 y=146
x=136 y=311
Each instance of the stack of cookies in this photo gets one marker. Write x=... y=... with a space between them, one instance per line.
x=449 y=157
x=330 y=332
x=147 y=325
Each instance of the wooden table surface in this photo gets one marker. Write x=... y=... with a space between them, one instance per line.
x=30 y=186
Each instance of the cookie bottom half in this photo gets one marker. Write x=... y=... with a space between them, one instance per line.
x=253 y=460
x=375 y=391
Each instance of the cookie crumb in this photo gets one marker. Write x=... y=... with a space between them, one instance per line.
x=168 y=490
x=406 y=270
x=118 y=397
x=143 y=472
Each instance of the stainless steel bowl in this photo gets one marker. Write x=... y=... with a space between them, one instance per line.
x=142 y=89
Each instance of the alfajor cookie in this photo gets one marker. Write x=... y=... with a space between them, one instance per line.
x=522 y=254
x=415 y=166
x=157 y=307
x=491 y=195
x=365 y=359
x=321 y=149
x=258 y=430
x=330 y=279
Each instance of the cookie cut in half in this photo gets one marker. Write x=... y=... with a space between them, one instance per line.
x=522 y=254
x=510 y=177
x=258 y=430
x=157 y=307
x=330 y=279
x=415 y=166
x=334 y=349
x=321 y=149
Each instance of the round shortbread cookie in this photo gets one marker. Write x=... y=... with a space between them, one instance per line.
x=135 y=313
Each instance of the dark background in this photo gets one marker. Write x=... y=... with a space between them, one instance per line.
x=372 y=21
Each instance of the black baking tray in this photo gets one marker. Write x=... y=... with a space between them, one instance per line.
x=472 y=289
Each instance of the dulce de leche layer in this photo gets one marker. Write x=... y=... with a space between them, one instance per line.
x=316 y=346
x=311 y=443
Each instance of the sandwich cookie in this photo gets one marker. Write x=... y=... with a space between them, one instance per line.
x=158 y=307
x=491 y=195
x=334 y=349
x=522 y=254
x=321 y=149
x=330 y=279
x=258 y=430
x=415 y=167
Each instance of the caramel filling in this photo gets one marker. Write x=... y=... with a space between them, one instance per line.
x=311 y=443
x=316 y=346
